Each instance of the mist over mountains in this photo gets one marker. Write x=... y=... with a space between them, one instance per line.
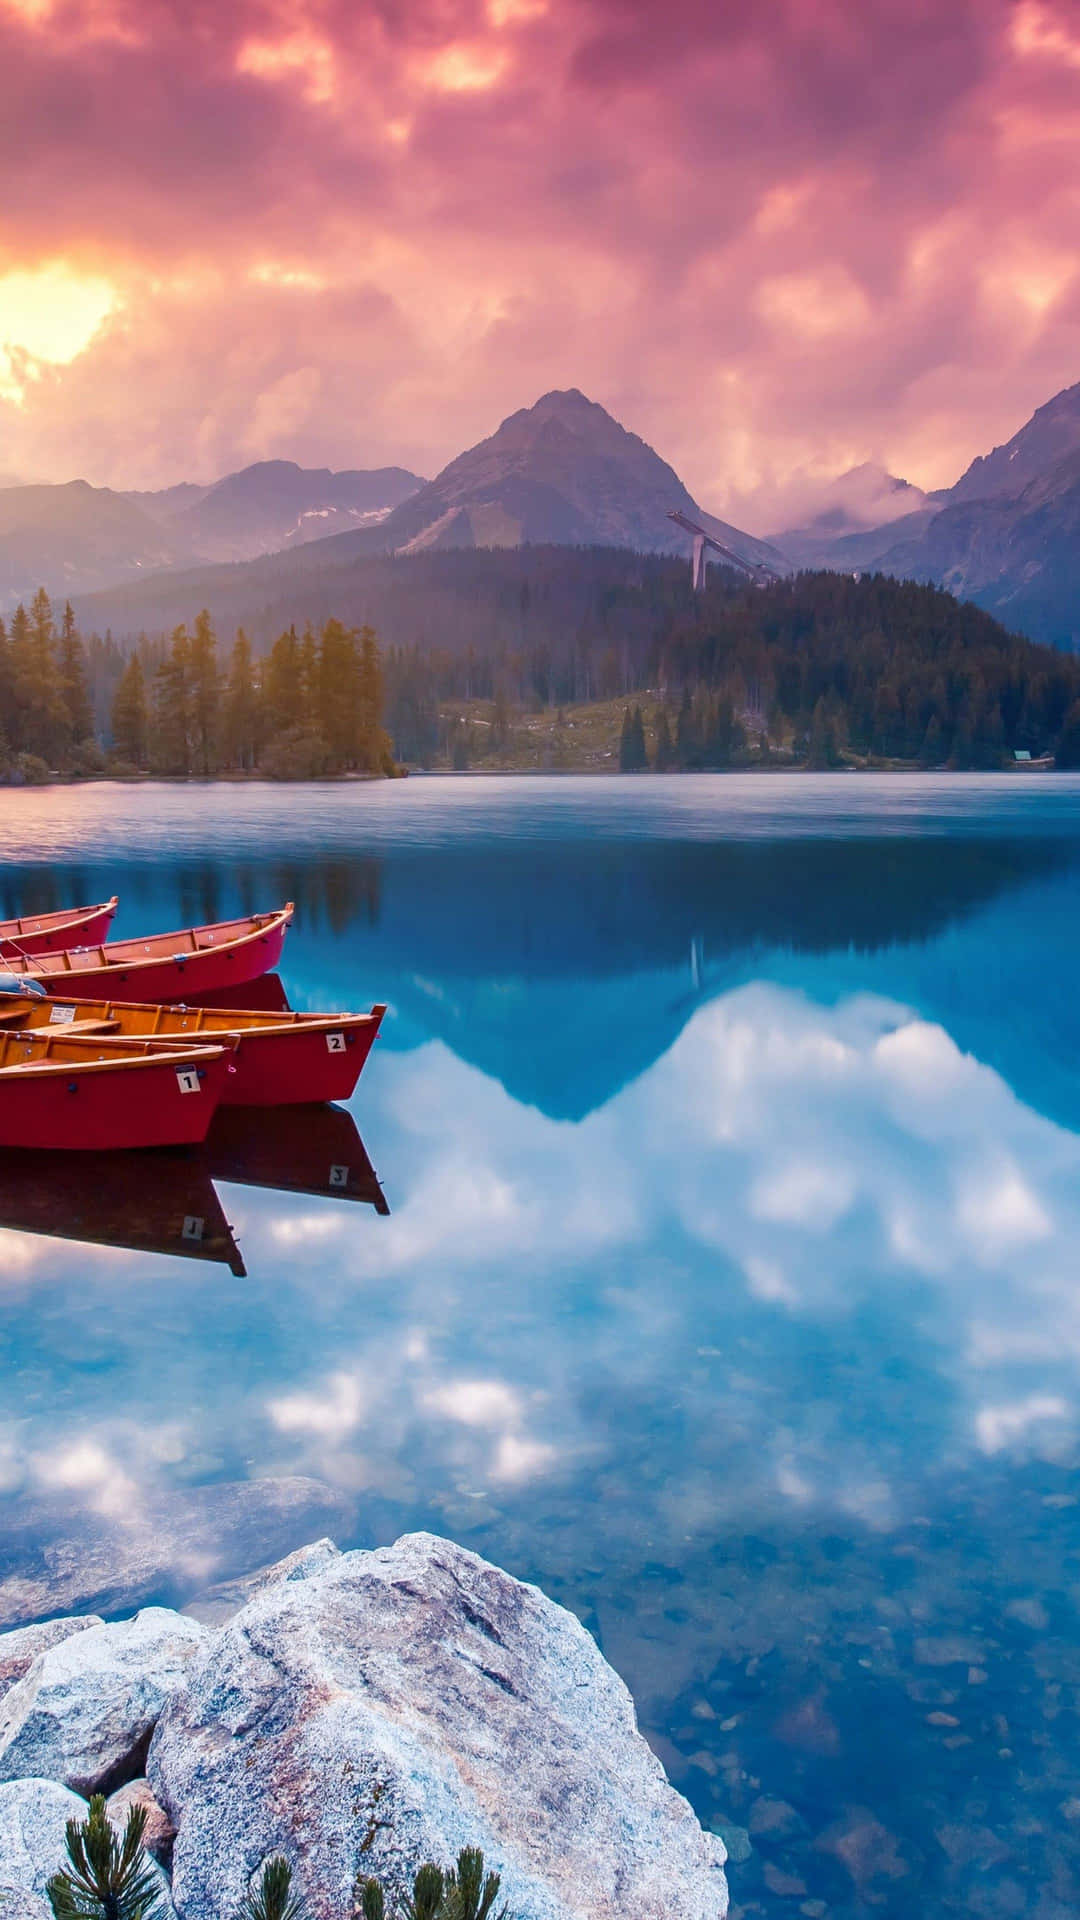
x=562 y=472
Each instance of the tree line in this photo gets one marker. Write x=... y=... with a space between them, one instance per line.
x=312 y=706
x=817 y=670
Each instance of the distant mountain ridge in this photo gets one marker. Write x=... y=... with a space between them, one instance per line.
x=1006 y=536
x=75 y=538
x=276 y=503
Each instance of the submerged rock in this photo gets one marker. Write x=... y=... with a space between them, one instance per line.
x=19 y=1649
x=397 y=1705
x=84 y=1710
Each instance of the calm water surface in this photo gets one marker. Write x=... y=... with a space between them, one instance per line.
x=730 y=1130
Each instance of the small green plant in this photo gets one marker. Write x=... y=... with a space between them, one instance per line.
x=106 y=1878
x=273 y=1897
x=470 y=1893
x=370 y=1903
x=427 y=1895
x=465 y=1892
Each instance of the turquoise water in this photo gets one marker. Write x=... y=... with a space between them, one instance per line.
x=730 y=1131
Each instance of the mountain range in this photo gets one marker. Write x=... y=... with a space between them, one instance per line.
x=75 y=538
x=562 y=472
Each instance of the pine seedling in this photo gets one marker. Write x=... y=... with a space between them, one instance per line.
x=427 y=1895
x=106 y=1878
x=470 y=1893
x=370 y=1902
x=273 y=1898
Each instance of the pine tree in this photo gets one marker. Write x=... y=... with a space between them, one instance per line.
x=375 y=751
x=106 y=1878
x=632 y=754
x=170 y=736
x=283 y=683
x=130 y=721
x=43 y=724
x=205 y=701
x=273 y=1898
x=664 y=752
x=1067 y=750
x=242 y=714
x=73 y=683
x=337 y=694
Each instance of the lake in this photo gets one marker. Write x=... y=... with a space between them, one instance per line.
x=729 y=1129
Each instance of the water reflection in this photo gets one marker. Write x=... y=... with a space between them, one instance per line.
x=729 y=1291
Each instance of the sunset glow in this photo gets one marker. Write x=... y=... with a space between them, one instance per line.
x=420 y=221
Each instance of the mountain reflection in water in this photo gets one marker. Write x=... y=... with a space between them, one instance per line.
x=729 y=1288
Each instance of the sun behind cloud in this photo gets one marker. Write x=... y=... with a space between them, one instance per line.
x=48 y=313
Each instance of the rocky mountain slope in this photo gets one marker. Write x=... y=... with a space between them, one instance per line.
x=276 y=504
x=76 y=538
x=562 y=471
x=1005 y=536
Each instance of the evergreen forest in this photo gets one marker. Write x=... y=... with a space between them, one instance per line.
x=480 y=650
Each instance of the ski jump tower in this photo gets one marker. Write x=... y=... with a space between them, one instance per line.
x=704 y=542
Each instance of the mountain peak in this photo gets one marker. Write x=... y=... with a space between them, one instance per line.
x=1051 y=434
x=561 y=472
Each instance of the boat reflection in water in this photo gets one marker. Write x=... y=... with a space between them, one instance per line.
x=294 y=1150
x=159 y=1201
x=164 y=1200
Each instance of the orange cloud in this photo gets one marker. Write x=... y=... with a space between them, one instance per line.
x=808 y=233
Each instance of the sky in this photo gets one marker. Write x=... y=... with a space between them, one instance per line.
x=774 y=240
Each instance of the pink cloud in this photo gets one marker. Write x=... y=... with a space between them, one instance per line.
x=814 y=233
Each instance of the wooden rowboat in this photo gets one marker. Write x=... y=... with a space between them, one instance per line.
x=53 y=932
x=101 y=1095
x=278 y=1059
x=164 y=966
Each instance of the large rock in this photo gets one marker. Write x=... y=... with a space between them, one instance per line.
x=84 y=1711
x=221 y=1602
x=158 y=1833
x=401 y=1704
x=33 y=1817
x=33 y=1821
x=19 y=1650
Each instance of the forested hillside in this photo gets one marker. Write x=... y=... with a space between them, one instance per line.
x=508 y=657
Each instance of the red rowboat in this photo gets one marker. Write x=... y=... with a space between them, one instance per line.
x=52 y=932
x=279 y=1059
x=99 y=1095
x=165 y=966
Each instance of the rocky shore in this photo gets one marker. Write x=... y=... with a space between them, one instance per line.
x=358 y=1712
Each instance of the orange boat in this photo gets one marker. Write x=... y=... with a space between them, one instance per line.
x=164 y=966
x=53 y=932
x=278 y=1059
x=101 y=1095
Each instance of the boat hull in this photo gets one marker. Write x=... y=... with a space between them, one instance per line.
x=298 y=1066
x=151 y=1101
x=293 y=1059
x=149 y=971
x=56 y=932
